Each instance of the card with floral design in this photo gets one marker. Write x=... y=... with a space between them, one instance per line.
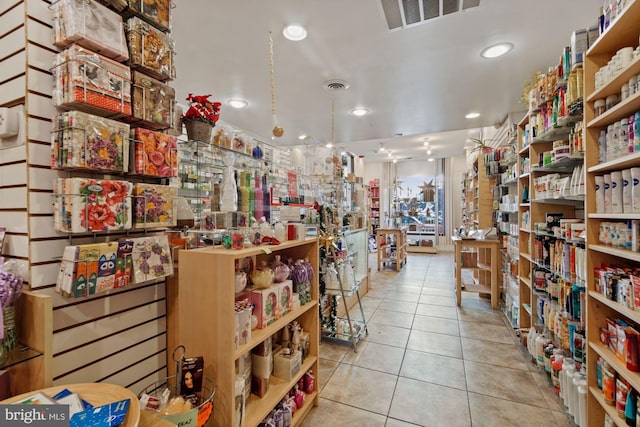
x=153 y=206
x=151 y=258
x=156 y=153
x=99 y=205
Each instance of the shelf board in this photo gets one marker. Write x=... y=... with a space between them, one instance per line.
x=624 y=34
x=524 y=150
x=301 y=413
x=621 y=253
x=621 y=163
x=566 y=200
x=614 y=216
x=623 y=109
x=566 y=164
x=22 y=353
x=527 y=308
x=258 y=408
x=256 y=250
x=552 y=134
x=524 y=175
x=259 y=335
x=526 y=230
x=627 y=312
x=620 y=368
x=526 y=256
x=525 y=204
x=478 y=288
x=609 y=409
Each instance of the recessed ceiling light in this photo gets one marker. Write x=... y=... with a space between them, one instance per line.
x=429 y=152
x=472 y=115
x=430 y=159
x=295 y=32
x=359 y=111
x=237 y=102
x=426 y=143
x=329 y=144
x=496 y=50
x=343 y=153
x=389 y=154
x=395 y=160
x=302 y=137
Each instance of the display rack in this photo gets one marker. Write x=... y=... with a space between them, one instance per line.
x=481 y=256
x=206 y=307
x=623 y=32
x=392 y=247
x=374 y=207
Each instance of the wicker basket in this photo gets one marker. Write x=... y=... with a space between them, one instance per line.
x=198 y=130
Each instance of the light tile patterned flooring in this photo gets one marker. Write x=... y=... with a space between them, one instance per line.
x=428 y=362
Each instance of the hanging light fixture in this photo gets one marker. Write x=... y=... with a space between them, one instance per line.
x=277 y=130
x=333 y=113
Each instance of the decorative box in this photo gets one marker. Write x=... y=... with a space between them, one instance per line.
x=286 y=363
x=156 y=153
x=86 y=81
x=150 y=50
x=91 y=25
x=153 y=206
x=153 y=102
x=88 y=205
x=82 y=140
x=285 y=295
x=266 y=305
x=156 y=12
x=262 y=366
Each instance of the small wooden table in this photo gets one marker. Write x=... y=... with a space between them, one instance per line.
x=97 y=394
x=484 y=259
x=384 y=237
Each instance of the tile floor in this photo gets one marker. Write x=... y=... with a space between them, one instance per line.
x=428 y=362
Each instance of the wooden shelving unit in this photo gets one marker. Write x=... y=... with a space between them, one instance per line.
x=206 y=307
x=623 y=32
x=482 y=256
x=374 y=208
x=392 y=247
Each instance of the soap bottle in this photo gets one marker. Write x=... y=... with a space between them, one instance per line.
x=267 y=198
x=258 y=200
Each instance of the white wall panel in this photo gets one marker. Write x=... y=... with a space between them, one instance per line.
x=139 y=369
x=17 y=246
x=40 y=10
x=39 y=57
x=40 y=203
x=15 y=222
x=12 y=42
x=39 y=130
x=13 y=18
x=39 y=154
x=40 y=106
x=142 y=383
x=110 y=365
x=8 y=4
x=13 y=66
x=13 y=90
x=69 y=361
x=47 y=250
x=13 y=198
x=44 y=275
x=40 y=82
x=74 y=337
x=13 y=154
x=42 y=227
x=92 y=309
x=15 y=174
x=42 y=179
x=38 y=33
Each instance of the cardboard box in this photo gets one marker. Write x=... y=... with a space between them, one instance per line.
x=285 y=295
x=579 y=45
x=266 y=305
x=285 y=365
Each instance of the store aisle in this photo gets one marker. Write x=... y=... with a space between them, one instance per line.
x=428 y=362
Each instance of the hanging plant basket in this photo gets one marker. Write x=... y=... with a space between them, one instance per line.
x=198 y=130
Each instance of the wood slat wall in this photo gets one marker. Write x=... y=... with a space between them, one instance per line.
x=120 y=336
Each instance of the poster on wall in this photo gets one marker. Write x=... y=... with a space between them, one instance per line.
x=292 y=184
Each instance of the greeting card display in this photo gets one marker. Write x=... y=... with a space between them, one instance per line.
x=90 y=82
x=153 y=102
x=153 y=206
x=156 y=153
x=82 y=140
x=88 y=205
x=91 y=25
x=150 y=50
x=156 y=12
x=151 y=258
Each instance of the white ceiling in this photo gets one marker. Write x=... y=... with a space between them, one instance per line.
x=418 y=81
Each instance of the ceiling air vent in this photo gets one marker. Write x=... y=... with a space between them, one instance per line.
x=336 y=85
x=400 y=13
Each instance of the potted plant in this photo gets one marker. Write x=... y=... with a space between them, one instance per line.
x=480 y=146
x=201 y=117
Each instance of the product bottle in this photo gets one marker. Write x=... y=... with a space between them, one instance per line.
x=251 y=194
x=602 y=147
x=631 y=134
x=258 y=200
x=636 y=132
x=267 y=198
x=244 y=193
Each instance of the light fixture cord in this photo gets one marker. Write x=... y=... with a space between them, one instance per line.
x=333 y=111
x=273 y=83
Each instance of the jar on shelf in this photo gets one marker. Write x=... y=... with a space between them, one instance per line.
x=280 y=270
